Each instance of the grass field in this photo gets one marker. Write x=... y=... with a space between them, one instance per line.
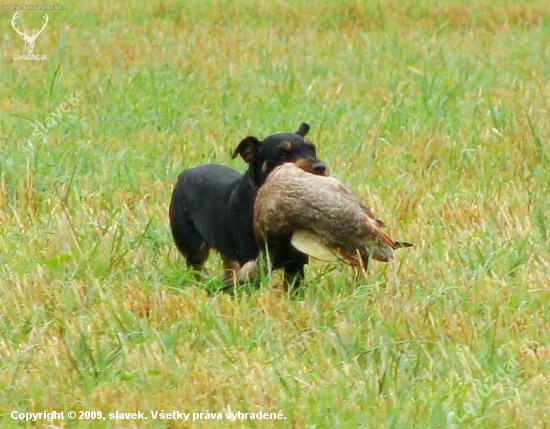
x=436 y=113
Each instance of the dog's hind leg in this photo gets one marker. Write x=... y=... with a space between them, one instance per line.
x=195 y=251
x=196 y=259
x=188 y=239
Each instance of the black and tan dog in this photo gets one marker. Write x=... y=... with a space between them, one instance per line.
x=212 y=205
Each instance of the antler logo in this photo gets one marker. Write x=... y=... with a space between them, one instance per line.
x=29 y=40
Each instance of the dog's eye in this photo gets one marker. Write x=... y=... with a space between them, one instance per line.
x=285 y=154
x=312 y=148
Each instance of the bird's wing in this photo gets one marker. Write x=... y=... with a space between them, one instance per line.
x=336 y=186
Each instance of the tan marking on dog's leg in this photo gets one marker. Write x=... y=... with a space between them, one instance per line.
x=198 y=272
x=231 y=269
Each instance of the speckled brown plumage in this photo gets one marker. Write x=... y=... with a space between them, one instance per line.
x=321 y=209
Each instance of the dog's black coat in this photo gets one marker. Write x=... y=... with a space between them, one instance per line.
x=212 y=205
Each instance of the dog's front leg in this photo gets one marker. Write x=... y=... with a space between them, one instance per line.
x=294 y=271
x=231 y=269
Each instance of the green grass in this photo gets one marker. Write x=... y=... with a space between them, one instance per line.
x=436 y=113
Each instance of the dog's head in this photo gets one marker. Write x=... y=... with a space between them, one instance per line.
x=264 y=156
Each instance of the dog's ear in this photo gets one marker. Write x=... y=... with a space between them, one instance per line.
x=248 y=149
x=302 y=130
